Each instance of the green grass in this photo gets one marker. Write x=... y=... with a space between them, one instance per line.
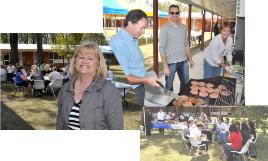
x=167 y=148
x=28 y=112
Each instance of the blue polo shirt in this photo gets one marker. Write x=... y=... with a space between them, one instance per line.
x=128 y=54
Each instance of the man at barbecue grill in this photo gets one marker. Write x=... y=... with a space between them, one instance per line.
x=127 y=52
x=220 y=46
x=174 y=49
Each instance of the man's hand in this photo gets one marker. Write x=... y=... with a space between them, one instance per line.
x=152 y=81
x=191 y=63
x=166 y=71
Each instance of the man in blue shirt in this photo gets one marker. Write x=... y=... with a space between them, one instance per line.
x=129 y=55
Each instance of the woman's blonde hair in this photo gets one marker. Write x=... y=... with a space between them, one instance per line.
x=34 y=69
x=102 y=69
x=46 y=68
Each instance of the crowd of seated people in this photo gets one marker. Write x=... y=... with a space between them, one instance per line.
x=230 y=136
x=25 y=75
x=237 y=137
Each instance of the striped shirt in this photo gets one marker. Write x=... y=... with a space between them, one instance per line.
x=74 y=123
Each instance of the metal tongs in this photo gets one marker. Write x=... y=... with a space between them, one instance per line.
x=168 y=92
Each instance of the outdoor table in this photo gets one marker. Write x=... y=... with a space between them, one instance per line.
x=123 y=88
x=161 y=126
x=179 y=126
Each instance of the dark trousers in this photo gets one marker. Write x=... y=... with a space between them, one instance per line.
x=208 y=133
x=140 y=93
x=10 y=76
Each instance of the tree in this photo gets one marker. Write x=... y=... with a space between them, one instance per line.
x=98 y=38
x=14 y=58
x=257 y=115
x=66 y=44
x=40 y=54
x=4 y=38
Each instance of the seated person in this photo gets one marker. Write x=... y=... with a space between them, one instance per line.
x=186 y=131
x=196 y=132
x=253 y=137
x=35 y=75
x=181 y=118
x=168 y=116
x=11 y=69
x=221 y=131
x=252 y=130
x=21 y=79
x=54 y=75
x=191 y=118
x=245 y=131
x=46 y=70
x=235 y=140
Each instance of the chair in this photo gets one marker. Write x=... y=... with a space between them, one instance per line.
x=243 y=151
x=254 y=143
x=18 y=88
x=38 y=86
x=4 y=79
x=54 y=86
x=184 y=140
x=196 y=144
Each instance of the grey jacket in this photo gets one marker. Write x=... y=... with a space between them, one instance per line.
x=101 y=107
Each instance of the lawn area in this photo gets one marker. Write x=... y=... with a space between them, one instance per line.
x=28 y=112
x=167 y=148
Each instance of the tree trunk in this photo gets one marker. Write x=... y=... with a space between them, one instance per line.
x=14 y=54
x=40 y=54
x=63 y=60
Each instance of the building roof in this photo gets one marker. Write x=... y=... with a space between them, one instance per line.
x=25 y=47
x=46 y=47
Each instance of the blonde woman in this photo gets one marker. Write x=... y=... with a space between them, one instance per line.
x=88 y=100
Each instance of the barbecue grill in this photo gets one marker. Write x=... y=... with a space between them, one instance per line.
x=230 y=83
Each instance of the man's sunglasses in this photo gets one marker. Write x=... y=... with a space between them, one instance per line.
x=173 y=13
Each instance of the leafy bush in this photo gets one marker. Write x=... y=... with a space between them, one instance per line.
x=142 y=41
x=256 y=114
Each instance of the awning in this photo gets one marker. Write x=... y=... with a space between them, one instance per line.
x=112 y=7
x=121 y=7
x=143 y=5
